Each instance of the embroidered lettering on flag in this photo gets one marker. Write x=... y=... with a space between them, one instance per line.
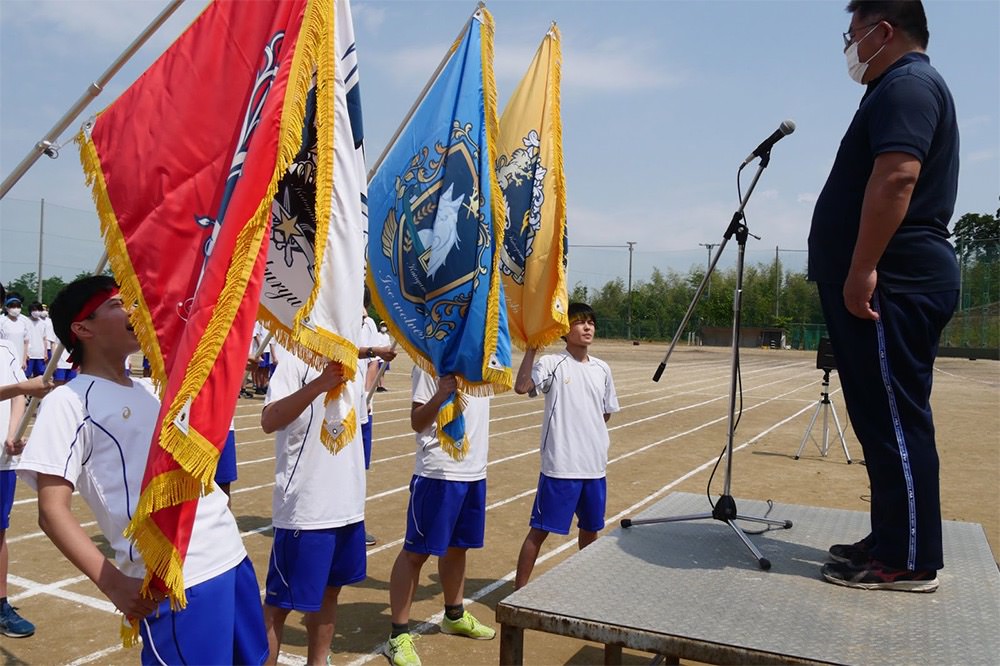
x=436 y=219
x=530 y=173
x=314 y=276
x=184 y=167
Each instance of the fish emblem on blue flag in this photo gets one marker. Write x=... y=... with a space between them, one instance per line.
x=436 y=225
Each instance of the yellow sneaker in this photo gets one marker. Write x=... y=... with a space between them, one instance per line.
x=468 y=626
x=400 y=650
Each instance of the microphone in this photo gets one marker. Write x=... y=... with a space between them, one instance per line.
x=786 y=128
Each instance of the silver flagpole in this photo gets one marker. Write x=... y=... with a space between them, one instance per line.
x=420 y=97
x=50 y=368
x=47 y=144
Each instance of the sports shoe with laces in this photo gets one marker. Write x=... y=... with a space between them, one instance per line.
x=12 y=624
x=874 y=575
x=400 y=650
x=856 y=553
x=370 y=539
x=468 y=626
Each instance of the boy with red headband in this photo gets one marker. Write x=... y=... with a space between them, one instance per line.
x=93 y=435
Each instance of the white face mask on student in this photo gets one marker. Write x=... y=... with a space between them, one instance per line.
x=36 y=314
x=14 y=312
x=855 y=68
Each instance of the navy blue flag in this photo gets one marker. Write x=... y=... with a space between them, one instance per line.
x=436 y=224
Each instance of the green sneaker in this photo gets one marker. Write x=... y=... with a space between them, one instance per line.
x=469 y=626
x=400 y=650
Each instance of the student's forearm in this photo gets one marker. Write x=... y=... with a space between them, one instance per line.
x=65 y=532
x=523 y=384
x=280 y=413
x=423 y=415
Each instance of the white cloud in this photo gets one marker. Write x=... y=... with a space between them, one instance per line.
x=618 y=65
x=807 y=198
x=974 y=122
x=979 y=156
x=368 y=17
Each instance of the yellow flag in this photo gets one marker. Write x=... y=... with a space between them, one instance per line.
x=530 y=173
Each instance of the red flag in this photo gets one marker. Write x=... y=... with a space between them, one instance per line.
x=184 y=166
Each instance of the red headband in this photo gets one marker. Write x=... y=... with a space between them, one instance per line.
x=94 y=302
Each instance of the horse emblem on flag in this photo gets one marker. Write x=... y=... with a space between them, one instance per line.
x=522 y=178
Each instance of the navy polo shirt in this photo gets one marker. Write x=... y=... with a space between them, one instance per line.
x=908 y=109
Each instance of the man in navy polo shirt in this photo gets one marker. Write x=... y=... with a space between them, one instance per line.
x=888 y=283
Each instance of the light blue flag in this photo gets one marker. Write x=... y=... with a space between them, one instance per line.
x=436 y=223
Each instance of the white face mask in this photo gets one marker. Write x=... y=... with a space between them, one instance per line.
x=14 y=312
x=43 y=314
x=36 y=315
x=855 y=68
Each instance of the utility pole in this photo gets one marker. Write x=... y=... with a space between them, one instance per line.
x=777 y=281
x=708 y=246
x=631 y=245
x=41 y=232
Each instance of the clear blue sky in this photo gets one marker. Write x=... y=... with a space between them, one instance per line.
x=662 y=100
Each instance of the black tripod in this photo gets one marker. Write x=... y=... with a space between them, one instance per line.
x=725 y=508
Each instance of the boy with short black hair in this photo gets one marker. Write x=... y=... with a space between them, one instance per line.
x=579 y=400
x=93 y=435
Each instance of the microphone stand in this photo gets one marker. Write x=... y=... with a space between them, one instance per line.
x=724 y=509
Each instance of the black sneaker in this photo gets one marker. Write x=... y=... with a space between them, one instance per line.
x=12 y=624
x=852 y=553
x=874 y=575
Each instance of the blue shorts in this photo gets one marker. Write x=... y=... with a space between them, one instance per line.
x=225 y=471
x=63 y=374
x=223 y=623
x=558 y=499
x=265 y=360
x=36 y=367
x=8 y=484
x=445 y=514
x=366 y=439
x=306 y=562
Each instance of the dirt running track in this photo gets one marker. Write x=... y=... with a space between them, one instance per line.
x=666 y=438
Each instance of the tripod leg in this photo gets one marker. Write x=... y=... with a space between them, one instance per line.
x=840 y=431
x=805 y=438
x=762 y=561
x=826 y=427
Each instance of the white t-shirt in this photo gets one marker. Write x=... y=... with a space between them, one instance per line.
x=313 y=488
x=94 y=433
x=577 y=396
x=50 y=332
x=36 y=338
x=434 y=463
x=368 y=338
x=16 y=331
x=10 y=373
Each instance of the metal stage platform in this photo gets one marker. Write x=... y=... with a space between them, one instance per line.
x=690 y=590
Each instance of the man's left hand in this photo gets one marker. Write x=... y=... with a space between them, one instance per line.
x=858 y=290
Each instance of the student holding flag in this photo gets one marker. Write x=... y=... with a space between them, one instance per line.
x=446 y=516
x=93 y=435
x=579 y=400
x=318 y=507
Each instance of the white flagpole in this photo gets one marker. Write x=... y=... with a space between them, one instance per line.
x=47 y=144
x=378 y=376
x=420 y=97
